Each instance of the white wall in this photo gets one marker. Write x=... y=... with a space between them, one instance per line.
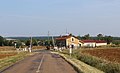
x=89 y=44
x=101 y=44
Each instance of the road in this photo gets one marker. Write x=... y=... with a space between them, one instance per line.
x=41 y=62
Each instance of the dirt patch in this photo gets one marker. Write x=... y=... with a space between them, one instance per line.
x=38 y=47
x=112 y=55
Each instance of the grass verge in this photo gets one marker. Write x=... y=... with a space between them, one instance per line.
x=79 y=66
x=106 y=66
x=8 y=61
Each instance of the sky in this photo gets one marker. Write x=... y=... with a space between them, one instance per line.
x=79 y=17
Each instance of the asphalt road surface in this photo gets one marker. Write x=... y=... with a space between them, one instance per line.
x=41 y=62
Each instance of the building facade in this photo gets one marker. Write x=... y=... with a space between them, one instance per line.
x=94 y=43
x=68 y=41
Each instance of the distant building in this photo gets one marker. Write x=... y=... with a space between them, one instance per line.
x=68 y=41
x=89 y=43
x=101 y=43
x=9 y=39
x=73 y=42
x=14 y=41
x=94 y=43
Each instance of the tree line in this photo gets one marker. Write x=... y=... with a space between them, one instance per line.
x=108 y=39
x=25 y=42
x=46 y=42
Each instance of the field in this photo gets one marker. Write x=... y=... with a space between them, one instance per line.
x=7 y=51
x=107 y=60
x=9 y=56
x=7 y=48
x=112 y=55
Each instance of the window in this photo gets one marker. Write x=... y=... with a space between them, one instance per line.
x=72 y=39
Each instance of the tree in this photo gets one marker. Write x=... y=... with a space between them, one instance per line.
x=108 y=39
x=1 y=41
x=18 y=44
x=100 y=36
x=11 y=43
x=34 y=42
x=6 y=43
x=27 y=43
x=86 y=37
x=79 y=37
x=47 y=43
x=70 y=34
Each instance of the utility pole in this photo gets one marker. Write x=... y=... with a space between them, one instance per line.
x=48 y=35
x=66 y=31
x=30 y=49
x=53 y=41
x=48 y=42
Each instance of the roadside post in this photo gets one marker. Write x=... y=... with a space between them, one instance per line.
x=15 y=45
x=70 y=51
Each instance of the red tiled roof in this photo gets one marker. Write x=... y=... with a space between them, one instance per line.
x=94 y=41
x=88 y=41
x=63 y=37
x=100 y=41
x=81 y=41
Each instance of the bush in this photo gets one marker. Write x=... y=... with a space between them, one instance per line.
x=110 y=68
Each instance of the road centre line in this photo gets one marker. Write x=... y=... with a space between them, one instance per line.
x=40 y=64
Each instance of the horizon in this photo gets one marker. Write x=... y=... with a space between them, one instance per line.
x=53 y=35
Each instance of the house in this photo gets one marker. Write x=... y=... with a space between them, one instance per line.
x=89 y=43
x=9 y=39
x=94 y=43
x=68 y=41
x=101 y=43
x=73 y=42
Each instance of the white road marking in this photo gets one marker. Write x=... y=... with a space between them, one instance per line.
x=38 y=70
